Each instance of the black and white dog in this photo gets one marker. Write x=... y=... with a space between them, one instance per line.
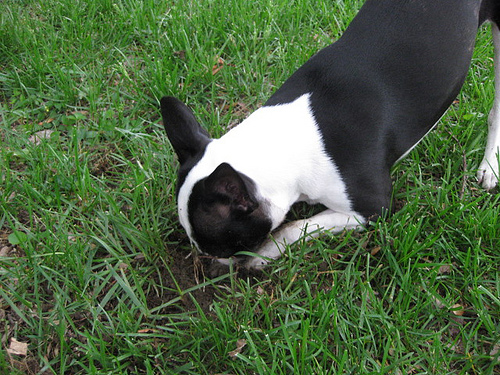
x=332 y=132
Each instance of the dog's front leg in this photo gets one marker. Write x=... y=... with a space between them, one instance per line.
x=291 y=232
x=488 y=169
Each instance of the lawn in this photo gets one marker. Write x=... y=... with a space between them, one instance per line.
x=96 y=274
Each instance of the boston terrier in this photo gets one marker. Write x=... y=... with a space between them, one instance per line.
x=332 y=132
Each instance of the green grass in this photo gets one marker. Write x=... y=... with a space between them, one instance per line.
x=93 y=269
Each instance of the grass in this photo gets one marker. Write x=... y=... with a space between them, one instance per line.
x=94 y=273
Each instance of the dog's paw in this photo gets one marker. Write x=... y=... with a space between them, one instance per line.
x=256 y=263
x=269 y=251
x=226 y=261
x=487 y=175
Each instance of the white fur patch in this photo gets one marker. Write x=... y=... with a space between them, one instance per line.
x=488 y=172
x=281 y=150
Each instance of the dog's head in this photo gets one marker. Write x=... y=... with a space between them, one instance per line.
x=220 y=210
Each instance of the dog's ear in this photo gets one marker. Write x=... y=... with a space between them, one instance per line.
x=186 y=135
x=228 y=187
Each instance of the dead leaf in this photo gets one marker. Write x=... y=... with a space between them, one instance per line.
x=37 y=138
x=439 y=304
x=458 y=309
x=17 y=347
x=4 y=251
x=139 y=257
x=218 y=66
x=83 y=112
x=495 y=350
x=180 y=54
x=240 y=344
x=444 y=269
x=375 y=250
x=47 y=121
x=147 y=330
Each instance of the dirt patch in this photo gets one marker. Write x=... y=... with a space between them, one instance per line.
x=189 y=271
x=5 y=245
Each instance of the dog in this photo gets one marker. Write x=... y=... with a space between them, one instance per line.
x=331 y=133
